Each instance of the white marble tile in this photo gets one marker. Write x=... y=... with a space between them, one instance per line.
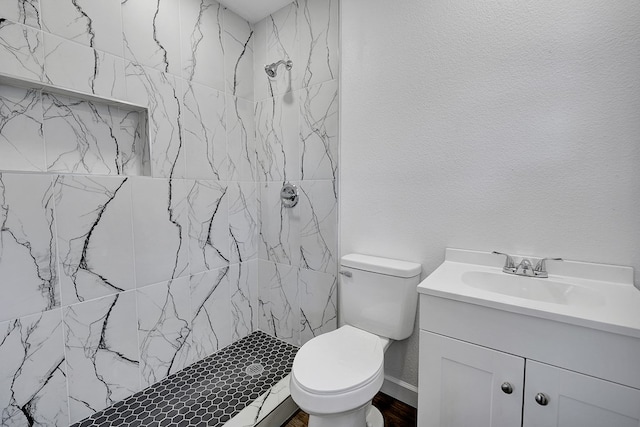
x=21 y=137
x=160 y=93
x=74 y=66
x=277 y=138
x=238 y=55
x=131 y=126
x=318 y=304
x=25 y=12
x=208 y=225
x=211 y=312
x=102 y=353
x=257 y=410
x=318 y=208
x=279 y=227
x=21 y=51
x=152 y=34
x=319 y=131
x=260 y=79
x=27 y=246
x=94 y=236
x=243 y=221
x=96 y=24
x=160 y=229
x=164 y=329
x=202 y=49
x=278 y=306
x=33 y=384
x=243 y=285
x=204 y=133
x=283 y=43
x=86 y=137
x=241 y=139
x=318 y=29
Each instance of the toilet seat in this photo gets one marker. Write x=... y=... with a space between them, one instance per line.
x=338 y=371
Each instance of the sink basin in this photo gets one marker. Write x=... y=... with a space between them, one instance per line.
x=543 y=290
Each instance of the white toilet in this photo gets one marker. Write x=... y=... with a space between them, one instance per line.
x=336 y=375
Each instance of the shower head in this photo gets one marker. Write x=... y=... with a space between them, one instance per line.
x=272 y=69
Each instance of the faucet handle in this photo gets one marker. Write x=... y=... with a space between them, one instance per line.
x=509 y=265
x=541 y=267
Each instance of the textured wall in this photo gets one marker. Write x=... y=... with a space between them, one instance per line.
x=490 y=125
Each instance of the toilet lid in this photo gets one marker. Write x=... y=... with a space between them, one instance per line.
x=339 y=361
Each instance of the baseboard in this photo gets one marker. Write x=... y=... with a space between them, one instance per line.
x=400 y=390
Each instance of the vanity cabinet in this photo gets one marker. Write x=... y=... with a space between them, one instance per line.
x=463 y=384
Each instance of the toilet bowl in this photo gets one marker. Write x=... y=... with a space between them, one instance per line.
x=336 y=375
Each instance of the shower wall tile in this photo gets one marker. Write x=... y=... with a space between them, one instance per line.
x=25 y=12
x=283 y=43
x=318 y=35
x=238 y=55
x=243 y=221
x=74 y=66
x=277 y=138
x=318 y=304
x=318 y=212
x=319 y=131
x=160 y=93
x=260 y=79
x=278 y=307
x=151 y=33
x=21 y=137
x=164 y=329
x=85 y=137
x=211 y=312
x=204 y=132
x=243 y=285
x=21 y=51
x=27 y=246
x=279 y=227
x=202 y=42
x=95 y=24
x=33 y=384
x=241 y=139
x=102 y=353
x=208 y=211
x=160 y=229
x=94 y=236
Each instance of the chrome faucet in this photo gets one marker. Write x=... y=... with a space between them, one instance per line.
x=525 y=268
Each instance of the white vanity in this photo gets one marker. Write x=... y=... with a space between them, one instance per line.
x=502 y=350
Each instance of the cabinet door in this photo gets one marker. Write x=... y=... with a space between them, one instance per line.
x=577 y=400
x=460 y=385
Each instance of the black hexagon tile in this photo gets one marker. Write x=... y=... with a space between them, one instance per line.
x=207 y=393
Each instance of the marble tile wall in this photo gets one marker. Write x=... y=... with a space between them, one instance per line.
x=110 y=281
x=296 y=122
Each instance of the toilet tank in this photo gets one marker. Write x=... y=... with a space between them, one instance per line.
x=379 y=295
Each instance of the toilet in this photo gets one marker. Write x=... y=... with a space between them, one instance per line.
x=336 y=375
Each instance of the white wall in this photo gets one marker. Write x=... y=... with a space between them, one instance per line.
x=485 y=125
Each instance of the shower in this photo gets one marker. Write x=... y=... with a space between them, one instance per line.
x=272 y=69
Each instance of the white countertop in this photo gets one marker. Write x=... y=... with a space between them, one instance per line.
x=617 y=310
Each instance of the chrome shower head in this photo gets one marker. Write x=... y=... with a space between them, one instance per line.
x=272 y=69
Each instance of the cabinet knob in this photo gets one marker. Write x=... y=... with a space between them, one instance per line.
x=507 y=388
x=542 y=399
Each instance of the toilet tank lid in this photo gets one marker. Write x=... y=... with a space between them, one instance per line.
x=388 y=266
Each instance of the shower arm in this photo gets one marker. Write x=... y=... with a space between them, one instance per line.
x=272 y=69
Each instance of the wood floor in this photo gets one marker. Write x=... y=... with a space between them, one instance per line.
x=395 y=413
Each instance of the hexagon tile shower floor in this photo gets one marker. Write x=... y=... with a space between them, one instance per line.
x=209 y=392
